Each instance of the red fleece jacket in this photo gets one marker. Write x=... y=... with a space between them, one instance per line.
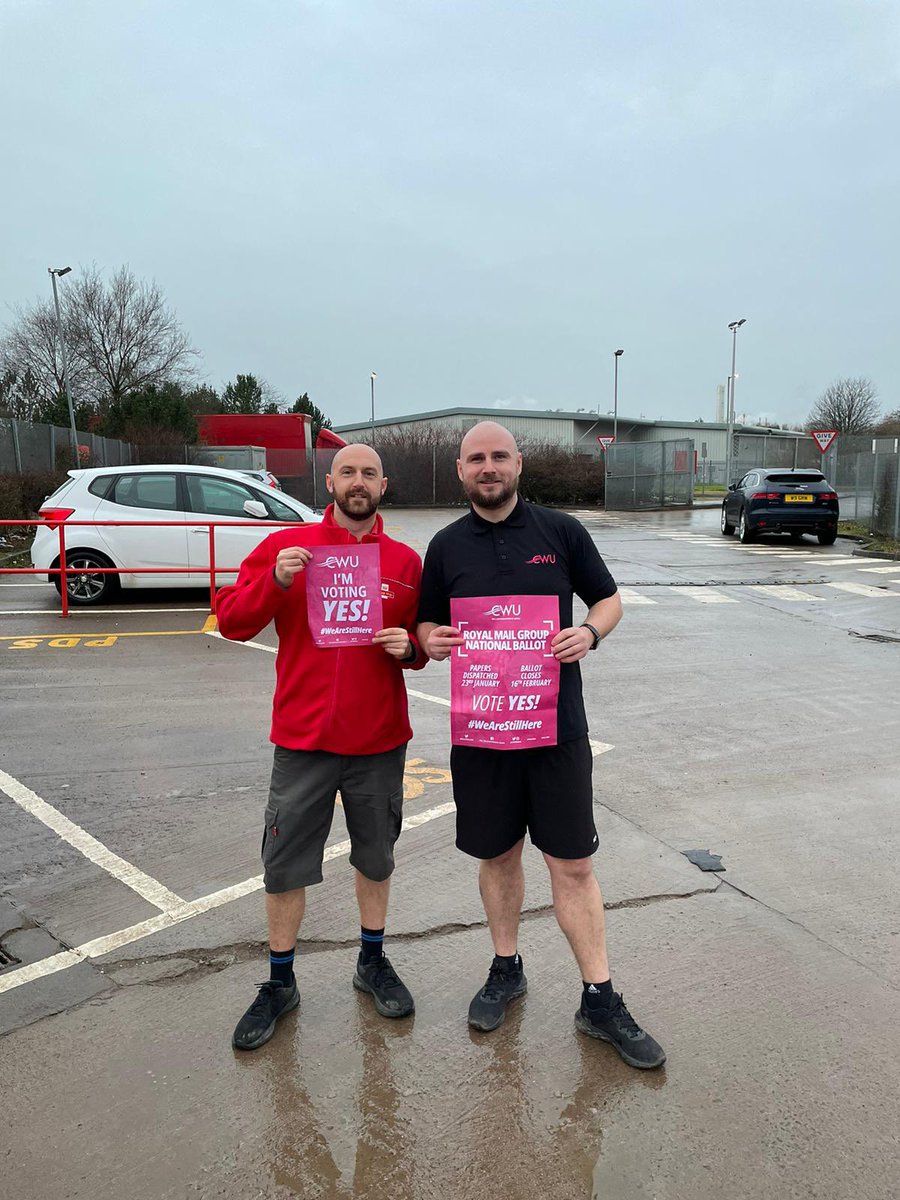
x=346 y=700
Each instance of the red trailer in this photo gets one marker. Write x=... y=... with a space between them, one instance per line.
x=285 y=437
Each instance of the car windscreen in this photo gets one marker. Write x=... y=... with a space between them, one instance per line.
x=797 y=477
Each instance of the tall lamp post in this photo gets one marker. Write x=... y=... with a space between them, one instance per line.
x=734 y=326
x=616 y=356
x=53 y=273
x=372 y=377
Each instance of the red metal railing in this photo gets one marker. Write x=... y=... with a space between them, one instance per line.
x=64 y=571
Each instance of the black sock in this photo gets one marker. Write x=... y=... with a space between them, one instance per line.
x=371 y=943
x=281 y=966
x=509 y=962
x=598 y=995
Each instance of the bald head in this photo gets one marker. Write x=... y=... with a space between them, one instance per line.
x=487 y=433
x=356 y=480
x=358 y=452
x=489 y=466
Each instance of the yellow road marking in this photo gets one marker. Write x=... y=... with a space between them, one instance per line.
x=65 y=641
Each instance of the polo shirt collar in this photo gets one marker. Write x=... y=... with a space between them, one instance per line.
x=515 y=520
x=341 y=534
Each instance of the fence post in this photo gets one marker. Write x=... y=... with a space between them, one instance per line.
x=434 y=474
x=17 y=450
x=896 y=495
x=52 y=429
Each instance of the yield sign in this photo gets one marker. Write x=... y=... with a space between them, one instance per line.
x=606 y=442
x=824 y=437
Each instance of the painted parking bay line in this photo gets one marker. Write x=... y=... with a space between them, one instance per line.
x=150 y=889
x=882 y=570
x=183 y=911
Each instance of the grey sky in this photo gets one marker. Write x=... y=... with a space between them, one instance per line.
x=478 y=200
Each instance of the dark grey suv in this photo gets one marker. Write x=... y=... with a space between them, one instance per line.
x=768 y=500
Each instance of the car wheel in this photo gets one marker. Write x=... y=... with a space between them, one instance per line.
x=745 y=533
x=827 y=539
x=726 y=526
x=85 y=588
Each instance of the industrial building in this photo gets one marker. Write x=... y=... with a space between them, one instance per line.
x=570 y=429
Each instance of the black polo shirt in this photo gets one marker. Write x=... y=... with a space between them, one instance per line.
x=534 y=552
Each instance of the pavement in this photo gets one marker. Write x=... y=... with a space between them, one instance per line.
x=747 y=704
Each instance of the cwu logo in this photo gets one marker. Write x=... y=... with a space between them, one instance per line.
x=541 y=558
x=504 y=610
x=341 y=561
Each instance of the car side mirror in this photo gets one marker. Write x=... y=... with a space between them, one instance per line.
x=256 y=508
x=732 y=487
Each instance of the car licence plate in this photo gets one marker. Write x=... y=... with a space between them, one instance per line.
x=798 y=499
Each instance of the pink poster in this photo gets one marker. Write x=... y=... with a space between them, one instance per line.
x=343 y=594
x=504 y=681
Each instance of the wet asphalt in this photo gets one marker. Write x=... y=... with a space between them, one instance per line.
x=748 y=704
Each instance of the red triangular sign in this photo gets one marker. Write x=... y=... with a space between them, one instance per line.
x=606 y=442
x=824 y=437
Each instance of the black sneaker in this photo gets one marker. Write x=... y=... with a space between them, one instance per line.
x=384 y=985
x=257 y=1024
x=488 y=1009
x=617 y=1026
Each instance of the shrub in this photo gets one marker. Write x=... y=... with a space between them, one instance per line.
x=11 y=508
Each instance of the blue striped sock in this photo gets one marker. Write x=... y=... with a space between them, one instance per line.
x=372 y=944
x=281 y=966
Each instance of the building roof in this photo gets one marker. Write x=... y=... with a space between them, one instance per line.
x=497 y=414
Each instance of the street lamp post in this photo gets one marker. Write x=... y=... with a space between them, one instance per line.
x=54 y=272
x=616 y=356
x=734 y=326
x=372 y=378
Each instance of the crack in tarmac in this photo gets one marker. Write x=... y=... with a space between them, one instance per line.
x=213 y=960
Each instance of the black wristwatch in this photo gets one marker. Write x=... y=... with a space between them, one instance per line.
x=598 y=637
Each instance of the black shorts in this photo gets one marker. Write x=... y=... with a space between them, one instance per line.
x=501 y=794
x=301 y=806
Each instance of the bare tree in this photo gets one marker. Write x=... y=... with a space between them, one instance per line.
x=30 y=358
x=126 y=335
x=847 y=405
x=120 y=337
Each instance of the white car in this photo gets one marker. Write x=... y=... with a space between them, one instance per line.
x=265 y=477
x=162 y=493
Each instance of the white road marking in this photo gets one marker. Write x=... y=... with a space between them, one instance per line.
x=426 y=696
x=17 y=584
x=704 y=595
x=183 y=912
x=629 y=596
x=882 y=570
x=150 y=889
x=778 y=592
x=860 y=589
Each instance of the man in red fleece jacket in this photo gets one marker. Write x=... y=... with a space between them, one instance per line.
x=339 y=722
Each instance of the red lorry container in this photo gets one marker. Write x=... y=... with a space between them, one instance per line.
x=285 y=437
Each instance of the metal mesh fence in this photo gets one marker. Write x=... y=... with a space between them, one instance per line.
x=650 y=474
x=27 y=446
x=868 y=485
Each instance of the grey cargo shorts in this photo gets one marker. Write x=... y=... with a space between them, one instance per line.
x=301 y=808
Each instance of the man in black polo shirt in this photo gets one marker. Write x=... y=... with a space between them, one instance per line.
x=506 y=547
